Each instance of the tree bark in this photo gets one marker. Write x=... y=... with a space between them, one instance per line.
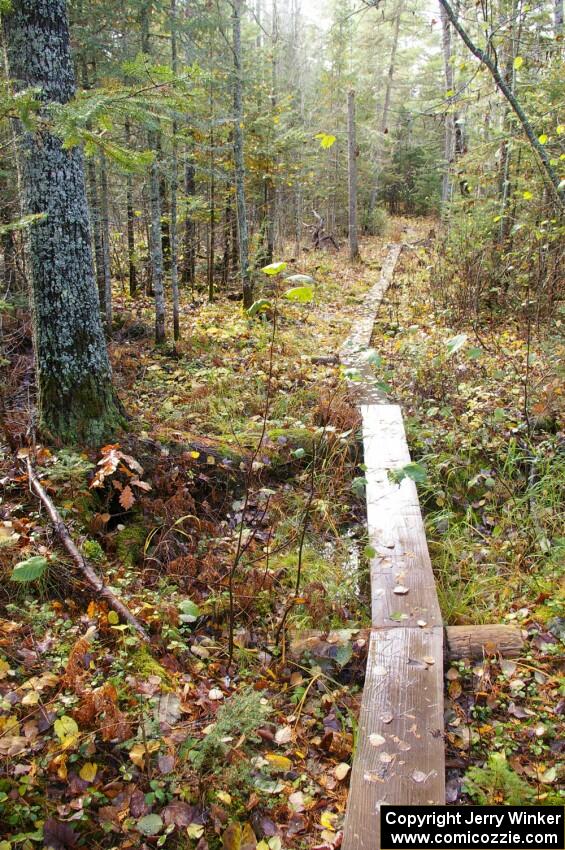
x=155 y=232
x=538 y=148
x=174 y=188
x=352 y=177
x=558 y=18
x=242 y=227
x=132 y=270
x=386 y=107
x=105 y=229
x=76 y=398
x=450 y=117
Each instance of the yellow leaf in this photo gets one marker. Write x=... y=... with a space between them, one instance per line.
x=65 y=727
x=88 y=771
x=224 y=797
x=248 y=838
x=195 y=455
x=4 y=668
x=231 y=839
x=328 y=820
x=139 y=751
x=527 y=196
x=195 y=830
x=278 y=762
x=113 y=618
x=31 y=699
x=543 y=139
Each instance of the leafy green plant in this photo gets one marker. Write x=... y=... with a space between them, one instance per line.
x=496 y=783
x=30 y=569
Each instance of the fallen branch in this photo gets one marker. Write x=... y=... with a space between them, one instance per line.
x=92 y=578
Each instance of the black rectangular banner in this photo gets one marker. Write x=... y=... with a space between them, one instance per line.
x=472 y=827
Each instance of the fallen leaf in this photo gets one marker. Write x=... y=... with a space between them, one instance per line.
x=341 y=770
x=283 y=735
x=88 y=771
x=376 y=740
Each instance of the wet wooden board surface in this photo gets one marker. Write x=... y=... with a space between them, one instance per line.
x=403 y=591
x=400 y=757
x=400 y=751
x=353 y=355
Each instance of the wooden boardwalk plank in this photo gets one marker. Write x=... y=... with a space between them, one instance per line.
x=400 y=755
x=395 y=526
x=353 y=354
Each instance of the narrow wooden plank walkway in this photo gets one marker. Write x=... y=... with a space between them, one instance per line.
x=400 y=751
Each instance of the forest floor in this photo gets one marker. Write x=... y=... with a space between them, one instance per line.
x=250 y=508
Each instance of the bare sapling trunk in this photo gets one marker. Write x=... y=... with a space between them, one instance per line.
x=352 y=177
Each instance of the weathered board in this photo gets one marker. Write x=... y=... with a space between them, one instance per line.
x=400 y=754
x=403 y=591
x=400 y=750
x=363 y=383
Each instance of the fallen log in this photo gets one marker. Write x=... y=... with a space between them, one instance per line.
x=471 y=642
x=476 y=641
x=90 y=575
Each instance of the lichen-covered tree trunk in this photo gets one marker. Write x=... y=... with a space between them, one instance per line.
x=105 y=228
x=76 y=399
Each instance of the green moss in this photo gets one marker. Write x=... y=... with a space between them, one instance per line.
x=130 y=543
x=143 y=665
x=93 y=551
x=297 y=438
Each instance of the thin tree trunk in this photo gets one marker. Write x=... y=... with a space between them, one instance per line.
x=386 y=107
x=538 y=148
x=242 y=227
x=155 y=237
x=212 y=203
x=105 y=228
x=77 y=403
x=450 y=117
x=352 y=177
x=189 y=264
x=132 y=271
x=558 y=18
x=174 y=188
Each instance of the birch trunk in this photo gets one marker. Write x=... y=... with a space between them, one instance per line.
x=76 y=398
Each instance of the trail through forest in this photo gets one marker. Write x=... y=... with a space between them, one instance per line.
x=282 y=474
